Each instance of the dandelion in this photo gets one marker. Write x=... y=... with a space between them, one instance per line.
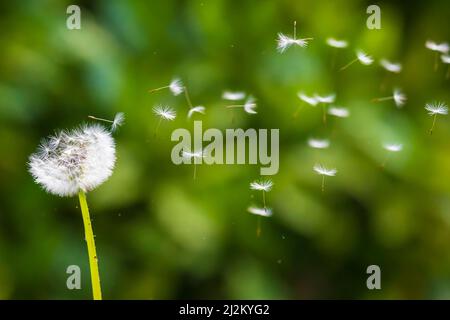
x=321 y=170
x=336 y=44
x=434 y=109
x=197 y=109
x=318 y=143
x=391 y=148
x=446 y=59
x=196 y=156
x=362 y=57
x=438 y=48
x=175 y=86
x=391 y=66
x=325 y=100
x=284 y=42
x=339 y=112
x=307 y=99
x=233 y=96
x=75 y=162
x=118 y=121
x=398 y=96
x=164 y=113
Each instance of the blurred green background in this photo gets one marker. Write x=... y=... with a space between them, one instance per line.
x=162 y=235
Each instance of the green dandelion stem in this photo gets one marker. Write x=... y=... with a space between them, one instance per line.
x=89 y=237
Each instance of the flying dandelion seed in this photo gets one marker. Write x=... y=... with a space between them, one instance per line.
x=391 y=66
x=437 y=48
x=175 y=86
x=307 y=99
x=446 y=59
x=434 y=109
x=312 y=101
x=332 y=42
x=194 y=156
x=284 y=42
x=76 y=162
x=398 y=96
x=164 y=113
x=336 y=44
x=391 y=148
x=249 y=106
x=233 y=96
x=362 y=57
x=119 y=120
x=260 y=212
x=324 y=100
x=264 y=186
x=321 y=170
x=197 y=109
x=318 y=143
x=339 y=112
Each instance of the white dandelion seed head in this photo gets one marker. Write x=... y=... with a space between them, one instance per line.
x=74 y=161
x=391 y=66
x=445 y=58
x=233 y=96
x=165 y=112
x=439 y=47
x=265 y=212
x=250 y=105
x=399 y=97
x=263 y=185
x=318 y=143
x=309 y=100
x=436 y=108
x=319 y=169
x=339 y=112
x=325 y=99
x=118 y=121
x=176 y=86
x=332 y=42
x=364 y=58
x=196 y=109
x=393 y=147
x=284 y=42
